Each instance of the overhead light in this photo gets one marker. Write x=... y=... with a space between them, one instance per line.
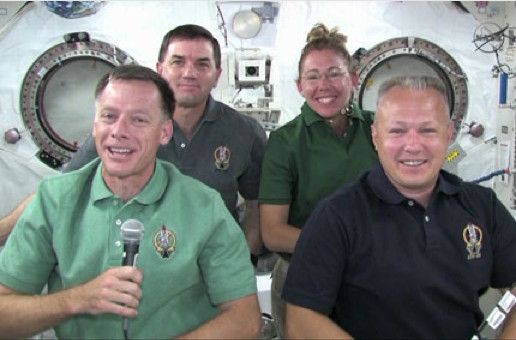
x=246 y=24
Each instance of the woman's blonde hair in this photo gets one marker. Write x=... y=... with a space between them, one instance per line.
x=321 y=38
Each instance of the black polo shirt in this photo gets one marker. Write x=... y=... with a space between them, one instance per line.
x=384 y=267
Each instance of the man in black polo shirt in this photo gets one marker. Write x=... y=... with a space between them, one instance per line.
x=407 y=249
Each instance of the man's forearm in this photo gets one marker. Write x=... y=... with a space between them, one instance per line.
x=241 y=321
x=303 y=323
x=115 y=291
x=27 y=315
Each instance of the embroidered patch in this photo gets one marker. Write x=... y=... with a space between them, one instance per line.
x=222 y=155
x=472 y=236
x=165 y=242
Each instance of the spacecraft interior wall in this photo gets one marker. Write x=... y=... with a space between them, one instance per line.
x=137 y=28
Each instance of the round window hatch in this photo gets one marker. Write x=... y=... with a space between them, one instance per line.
x=411 y=56
x=57 y=94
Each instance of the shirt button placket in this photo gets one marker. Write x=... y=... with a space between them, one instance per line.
x=118 y=222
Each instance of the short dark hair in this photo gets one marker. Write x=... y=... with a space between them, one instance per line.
x=137 y=72
x=190 y=32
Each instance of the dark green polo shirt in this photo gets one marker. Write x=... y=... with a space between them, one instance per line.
x=306 y=161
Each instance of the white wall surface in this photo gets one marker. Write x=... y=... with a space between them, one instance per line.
x=138 y=26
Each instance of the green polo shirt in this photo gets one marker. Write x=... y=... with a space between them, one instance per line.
x=306 y=161
x=70 y=233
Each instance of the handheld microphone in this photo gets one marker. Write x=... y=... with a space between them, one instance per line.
x=131 y=232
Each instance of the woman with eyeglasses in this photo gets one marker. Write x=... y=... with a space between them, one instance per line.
x=326 y=146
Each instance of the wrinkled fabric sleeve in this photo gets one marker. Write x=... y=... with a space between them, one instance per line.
x=504 y=250
x=224 y=261
x=28 y=257
x=277 y=180
x=249 y=182
x=318 y=263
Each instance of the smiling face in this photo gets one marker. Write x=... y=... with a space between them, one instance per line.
x=325 y=82
x=189 y=68
x=128 y=129
x=412 y=132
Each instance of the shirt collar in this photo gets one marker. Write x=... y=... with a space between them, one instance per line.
x=377 y=180
x=311 y=117
x=99 y=190
x=210 y=113
x=152 y=192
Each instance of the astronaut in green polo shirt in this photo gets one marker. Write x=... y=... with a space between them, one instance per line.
x=326 y=146
x=192 y=276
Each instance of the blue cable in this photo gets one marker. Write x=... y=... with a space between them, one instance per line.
x=491 y=175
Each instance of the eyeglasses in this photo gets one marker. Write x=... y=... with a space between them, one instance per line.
x=332 y=76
